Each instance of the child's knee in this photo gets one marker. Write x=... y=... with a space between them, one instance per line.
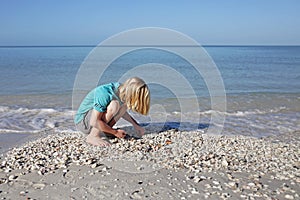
x=113 y=107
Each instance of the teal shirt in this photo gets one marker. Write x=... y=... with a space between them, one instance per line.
x=97 y=99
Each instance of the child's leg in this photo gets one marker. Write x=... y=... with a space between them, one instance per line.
x=95 y=138
x=114 y=112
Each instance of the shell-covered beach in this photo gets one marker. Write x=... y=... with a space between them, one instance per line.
x=164 y=165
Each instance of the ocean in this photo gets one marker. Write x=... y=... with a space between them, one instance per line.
x=262 y=85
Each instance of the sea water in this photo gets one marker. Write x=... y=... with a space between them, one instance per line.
x=262 y=85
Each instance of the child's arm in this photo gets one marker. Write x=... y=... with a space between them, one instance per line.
x=130 y=119
x=136 y=126
x=98 y=123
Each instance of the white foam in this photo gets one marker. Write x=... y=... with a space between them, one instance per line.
x=245 y=113
x=20 y=120
x=255 y=122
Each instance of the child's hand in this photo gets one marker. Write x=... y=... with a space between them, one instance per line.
x=120 y=133
x=140 y=130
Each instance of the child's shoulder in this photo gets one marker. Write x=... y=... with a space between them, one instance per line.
x=108 y=87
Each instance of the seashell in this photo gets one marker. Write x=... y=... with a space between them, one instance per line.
x=38 y=186
x=94 y=165
x=167 y=142
x=197 y=179
x=216 y=182
x=224 y=163
x=288 y=196
x=233 y=185
x=12 y=177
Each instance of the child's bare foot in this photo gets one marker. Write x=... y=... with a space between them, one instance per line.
x=96 y=140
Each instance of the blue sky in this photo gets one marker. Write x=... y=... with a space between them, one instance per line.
x=74 y=22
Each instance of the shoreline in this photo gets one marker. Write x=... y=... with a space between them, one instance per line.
x=171 y=164
x=11 y=140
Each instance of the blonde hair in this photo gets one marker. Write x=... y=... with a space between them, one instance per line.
x=136 y=95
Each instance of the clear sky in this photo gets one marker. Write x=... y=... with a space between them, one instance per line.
x=80 y=22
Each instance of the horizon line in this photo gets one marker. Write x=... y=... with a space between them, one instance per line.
x=145 y=45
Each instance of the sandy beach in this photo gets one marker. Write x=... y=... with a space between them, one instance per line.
x=167 y=165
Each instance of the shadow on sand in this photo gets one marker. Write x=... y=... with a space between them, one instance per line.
x=158 y=127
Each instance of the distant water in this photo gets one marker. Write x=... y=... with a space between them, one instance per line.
x=262 y=85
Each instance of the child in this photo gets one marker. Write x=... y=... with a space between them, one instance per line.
x=106 y=104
